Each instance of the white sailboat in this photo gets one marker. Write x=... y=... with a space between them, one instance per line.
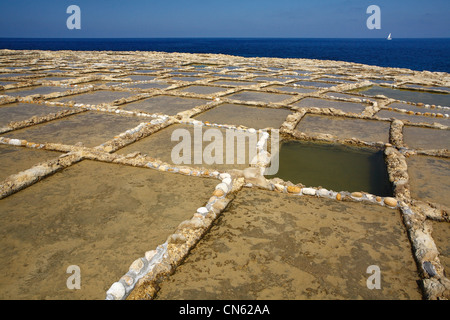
x=389 y=37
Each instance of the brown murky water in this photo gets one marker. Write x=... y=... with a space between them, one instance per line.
x=100 y=217
x=441 y=236
x=316 y=84
x=89 y=128
x=55 y=79
x=426 y=138
x=346 y=128
x=160 y=145
x=184 y=73
x=24 y=111
x=416 y=86
x=234 y=83
x=258 y=96
x=429 y=178
x=165 y=104
x=4 y=83
x=414 y=108
x=293 y=89
x=408 y=95
x=33 y=90
x=150 y=85
x=102 y=96
x=270 y=79
x=411 y=118
x=322 y=103
x=10 y=75
x=204 y=90
x=15 y=159
x=251 y=117
x=230 y=75
x=188 y=79
x=336 y=81
x=345 y=96
x=139 y=77
x=275 y=246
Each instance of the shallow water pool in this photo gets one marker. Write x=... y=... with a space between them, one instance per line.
x=335 y=167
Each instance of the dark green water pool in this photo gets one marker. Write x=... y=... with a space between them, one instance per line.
x=335 y=167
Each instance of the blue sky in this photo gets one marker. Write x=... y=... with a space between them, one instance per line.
x=225 y=18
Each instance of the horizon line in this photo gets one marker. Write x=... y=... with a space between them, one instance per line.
x=243 y=38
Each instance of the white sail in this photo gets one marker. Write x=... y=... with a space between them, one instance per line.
x=389 y=37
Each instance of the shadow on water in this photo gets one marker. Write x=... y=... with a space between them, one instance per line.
x=379 y=178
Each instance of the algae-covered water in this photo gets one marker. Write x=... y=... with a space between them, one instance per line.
x=335 y=167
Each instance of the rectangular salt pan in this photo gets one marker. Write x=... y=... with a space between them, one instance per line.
x=346 y=128
x=429 y=179
x=16 y=159
x=24 y=111
x=97 y=97
x=204 y=90
x=258 y=96
x=269 y=245
x=293 y=89
x=251 y=117
x=185 y=145
x=426 y=138
x=169 y=105
x=33 y=90
x=409 y=95
x=89 y=128
x=385 y=114
x=322 y=103
x=335 y=167
x=234 y=83
x=106 y=217
x=413 y=108
x=441 y=236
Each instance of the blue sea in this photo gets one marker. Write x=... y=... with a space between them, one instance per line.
x=415 y=54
